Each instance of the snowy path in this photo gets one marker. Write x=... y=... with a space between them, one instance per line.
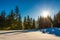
x=28 y=36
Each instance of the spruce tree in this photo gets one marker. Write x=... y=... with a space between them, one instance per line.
x=2 y=19
x=28 y=22
x=31 y=23
x=50 y=20
x=18 y=18
x=34 y=24
x=39 y=22
x=12 y=21
x=19 y=23
x=57 y=20
x=25 y=23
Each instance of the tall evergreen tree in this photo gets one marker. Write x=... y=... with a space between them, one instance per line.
x=28 y=22
x=25 y=23
x=18 y=18
x=34 y=24
x=10 y=22
x=39 y=22
x=19 y=23
x=51 y=21
x=57 y=19
x=31 y=23
x=17 y=13
x=2 y=19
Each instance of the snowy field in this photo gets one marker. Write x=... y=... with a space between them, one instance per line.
x=33 y=35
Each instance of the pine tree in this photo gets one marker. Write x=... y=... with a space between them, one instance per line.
x=50 y=20
x=19 y=23
x=31 y=23
x=57 y=19
x=2 y=19
x=39 y=22
x=8 y=22
x=12 y=21
x=25 y=23
x=17 y=13
x=18 y=18
x=28 y=22
x=34 y=24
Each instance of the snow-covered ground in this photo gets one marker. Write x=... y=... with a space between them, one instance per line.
x=33 y=35
x=54 y=31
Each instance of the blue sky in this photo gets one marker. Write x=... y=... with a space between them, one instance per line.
x=33 y=8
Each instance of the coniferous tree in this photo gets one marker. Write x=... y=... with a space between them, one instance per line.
x=34 y=24
x=10 y=22
x=18 y=18
x=19 y=22
x=57 y=19
x=28 y=22
x=2 y=20
x=31 y=23
x=16 y=15
x=25 y=23
x=50 y=20
x=39 y=22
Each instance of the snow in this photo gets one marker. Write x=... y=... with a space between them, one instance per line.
x=33 y=35
x=55 y=31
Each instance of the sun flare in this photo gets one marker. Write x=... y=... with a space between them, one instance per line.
x=45 y=13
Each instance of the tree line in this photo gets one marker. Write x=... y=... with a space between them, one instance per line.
x=13 y=21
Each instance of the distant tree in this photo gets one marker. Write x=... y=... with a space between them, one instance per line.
x=51 y=21
x=19 y=23
x=17 y=13
x=28 y=22
x=2 y=20
x=57 y=20
x=10 y=21
x=31 y=23
x=18 y=18
x=34 y=26
x=25 y=23
x=40 y=21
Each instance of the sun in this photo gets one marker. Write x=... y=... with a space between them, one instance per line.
x=45 y=13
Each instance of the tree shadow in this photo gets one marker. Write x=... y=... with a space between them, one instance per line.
x=54 y=31
x=20 y=31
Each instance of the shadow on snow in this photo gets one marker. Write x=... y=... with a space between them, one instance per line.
x=20 y=31
x=55 y=31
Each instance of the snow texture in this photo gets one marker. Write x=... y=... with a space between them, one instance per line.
x=54 y=31
x=33 y=35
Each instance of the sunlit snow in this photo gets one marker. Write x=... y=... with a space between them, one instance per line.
x=35 y=35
